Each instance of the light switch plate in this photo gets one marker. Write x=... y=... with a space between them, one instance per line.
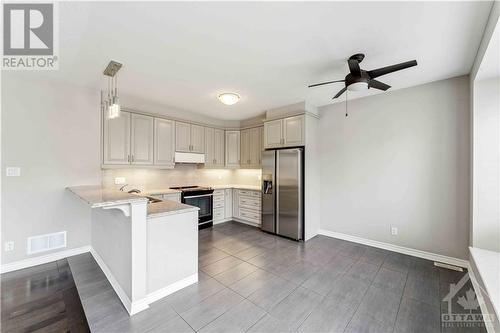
x=13 y=171
x=120 y=180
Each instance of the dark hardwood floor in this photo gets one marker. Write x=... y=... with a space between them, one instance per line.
x=43 y=298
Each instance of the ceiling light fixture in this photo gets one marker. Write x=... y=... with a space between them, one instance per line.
x=228 y=98
x=358 y=86
x=111 y=103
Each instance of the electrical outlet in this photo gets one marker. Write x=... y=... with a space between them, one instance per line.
x=120 y=180
x=9 y=246
x=13 y=171
x=394 y=231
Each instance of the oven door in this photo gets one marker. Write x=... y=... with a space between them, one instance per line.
x=204 y=203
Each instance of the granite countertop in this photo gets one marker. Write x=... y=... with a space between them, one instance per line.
x=168 y=207
x=159 y=191
x=97 y=196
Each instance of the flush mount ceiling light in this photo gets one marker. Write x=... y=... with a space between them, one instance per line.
x=110 y=102
x=228 y=98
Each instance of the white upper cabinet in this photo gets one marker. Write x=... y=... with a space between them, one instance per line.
x=141 y=139
x=164 y=142
x=232 y=148
x=189 y=138
x=214 y=147
x=197 y=139
x=255 y=154
x=293 y=131
x=273 y=133
x=287 y=132
x=251 y=147
x=209 y=146
x=219 y=147
x=116 y=139
x=182 y=137
x=245 y=148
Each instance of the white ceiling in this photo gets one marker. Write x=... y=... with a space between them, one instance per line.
x=182 y=54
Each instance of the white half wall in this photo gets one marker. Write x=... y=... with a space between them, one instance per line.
x=50 y=131
x=400 y=159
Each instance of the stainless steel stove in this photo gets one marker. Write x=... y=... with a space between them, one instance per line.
x=201 y=197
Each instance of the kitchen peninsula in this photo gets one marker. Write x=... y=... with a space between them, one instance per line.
x=131 y=240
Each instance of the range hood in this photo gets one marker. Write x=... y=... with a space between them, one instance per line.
x=192 y=158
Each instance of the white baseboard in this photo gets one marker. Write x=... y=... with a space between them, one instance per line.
x=39 y=260
x=127 y=303
x=397 y=248
x=170 y=289
x=246 y=222
x=490 y=328
x=141 y=304
x=223 y=221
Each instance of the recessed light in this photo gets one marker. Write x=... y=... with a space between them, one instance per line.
x=228 y=98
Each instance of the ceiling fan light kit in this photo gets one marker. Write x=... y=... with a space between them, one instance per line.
x=359 y=79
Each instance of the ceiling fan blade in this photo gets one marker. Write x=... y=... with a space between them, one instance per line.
x=320 y=84
x=378 y=85
x=354 y=67
x=340 y=93
x=389 y=69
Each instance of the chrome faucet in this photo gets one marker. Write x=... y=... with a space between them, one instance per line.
x=123 y=187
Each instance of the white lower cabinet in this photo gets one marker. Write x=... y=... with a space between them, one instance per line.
x=241 y=205
x=247 y=206
x=219 y=206
x=228 y=203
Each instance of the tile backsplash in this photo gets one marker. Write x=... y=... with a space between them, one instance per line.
x=182 y=175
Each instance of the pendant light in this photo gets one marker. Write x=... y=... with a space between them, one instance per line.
x=111 y=103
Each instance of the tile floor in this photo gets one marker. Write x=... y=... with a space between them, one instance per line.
x=250 y=281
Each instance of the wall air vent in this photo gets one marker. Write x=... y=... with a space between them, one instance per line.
x=42 y=243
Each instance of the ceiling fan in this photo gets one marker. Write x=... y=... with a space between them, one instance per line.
x=359 y=79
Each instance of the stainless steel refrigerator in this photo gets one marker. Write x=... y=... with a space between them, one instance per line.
x=283 y=192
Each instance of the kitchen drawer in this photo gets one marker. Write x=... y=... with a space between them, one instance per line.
x=250 y=215
x=219 y=204
x=218 y=214
x=250 y=193
x=249 y=202
x=218 y=192
x=218 y=197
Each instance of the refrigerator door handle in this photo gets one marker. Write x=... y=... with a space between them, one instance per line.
x=277 y=193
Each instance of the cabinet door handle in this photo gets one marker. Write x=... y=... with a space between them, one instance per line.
x=128 y=158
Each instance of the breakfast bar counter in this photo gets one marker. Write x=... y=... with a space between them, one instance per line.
x=147 y=249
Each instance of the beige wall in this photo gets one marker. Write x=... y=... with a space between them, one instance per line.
x=400 y=159
x=51 y=131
